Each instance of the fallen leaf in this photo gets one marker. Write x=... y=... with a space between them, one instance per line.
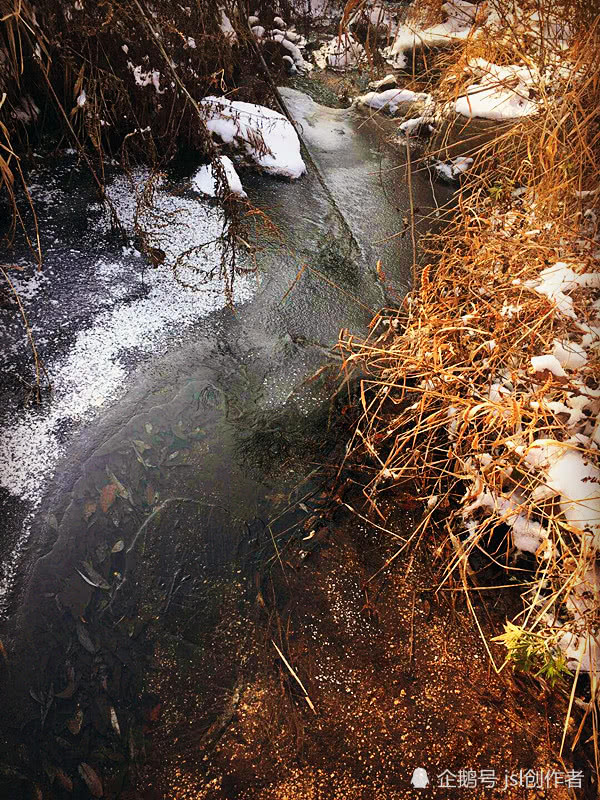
x=69 y=689
x=141 y=445
x=114 y=721
x=90 y=581
x=63 y=780
x=118 y=546
x=74 y=724
x=107 y=496
x=84 y=638
x=95 y=576
x=154 y=713
x=88 y=509
x=91 y=779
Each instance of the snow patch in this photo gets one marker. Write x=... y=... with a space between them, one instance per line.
x=205 y=179
x=264 y=135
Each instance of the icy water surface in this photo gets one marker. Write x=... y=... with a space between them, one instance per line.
x=178 y=428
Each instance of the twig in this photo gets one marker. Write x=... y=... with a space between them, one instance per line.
x=295 y=676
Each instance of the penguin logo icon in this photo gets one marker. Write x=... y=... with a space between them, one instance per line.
x=419 y=779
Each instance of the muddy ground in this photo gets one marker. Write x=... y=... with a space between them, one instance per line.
x=396 y=677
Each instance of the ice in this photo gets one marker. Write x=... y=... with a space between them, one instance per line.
x=94 y=371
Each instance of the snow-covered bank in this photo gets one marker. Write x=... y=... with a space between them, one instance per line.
x=264 y=136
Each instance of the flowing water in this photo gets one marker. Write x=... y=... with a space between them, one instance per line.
x=210 y=427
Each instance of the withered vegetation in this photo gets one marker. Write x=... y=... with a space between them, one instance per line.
x=430 y=423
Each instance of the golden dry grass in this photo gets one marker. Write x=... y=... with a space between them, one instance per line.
x=428 y=416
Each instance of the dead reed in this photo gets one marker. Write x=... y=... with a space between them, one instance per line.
x=451 y=404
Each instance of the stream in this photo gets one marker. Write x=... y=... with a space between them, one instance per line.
x=170 y=458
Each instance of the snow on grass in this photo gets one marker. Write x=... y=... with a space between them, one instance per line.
x=416 y=126
x=550 y=363
x=342 y=53
x=499 y=92
x=495 y=102
x=205 y=180
x=265 y=136
x=453 y=169
x=458 y=25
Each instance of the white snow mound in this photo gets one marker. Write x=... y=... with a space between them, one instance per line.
x=264 y=135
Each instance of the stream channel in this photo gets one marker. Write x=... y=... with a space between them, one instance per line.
x=135 y=516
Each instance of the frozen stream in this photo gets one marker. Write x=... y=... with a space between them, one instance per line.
x=175 y=421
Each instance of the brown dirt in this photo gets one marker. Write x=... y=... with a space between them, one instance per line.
x=398 y=675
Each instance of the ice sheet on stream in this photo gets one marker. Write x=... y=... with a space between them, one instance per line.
x=95 y=368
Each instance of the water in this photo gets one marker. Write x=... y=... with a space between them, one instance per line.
x=145 y=504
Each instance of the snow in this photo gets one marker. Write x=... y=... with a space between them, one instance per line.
x=146 y=78
x=391 y=99
x=376 y=16
x=550 y=363
x=414 y=124
x=570 y=355
x=460 y=18
x=577 y=480
x=452 y=169
x=205 y=179
x=264 y=135
x=494 y=103
x=341 y=53
x=499 y=92
x=527 y=535
x=554 y=282
x=293 y=50
x=227 y=28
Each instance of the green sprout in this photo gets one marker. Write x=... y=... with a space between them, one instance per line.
x=534 y=653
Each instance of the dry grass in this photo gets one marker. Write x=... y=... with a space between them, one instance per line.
x=428 y=418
